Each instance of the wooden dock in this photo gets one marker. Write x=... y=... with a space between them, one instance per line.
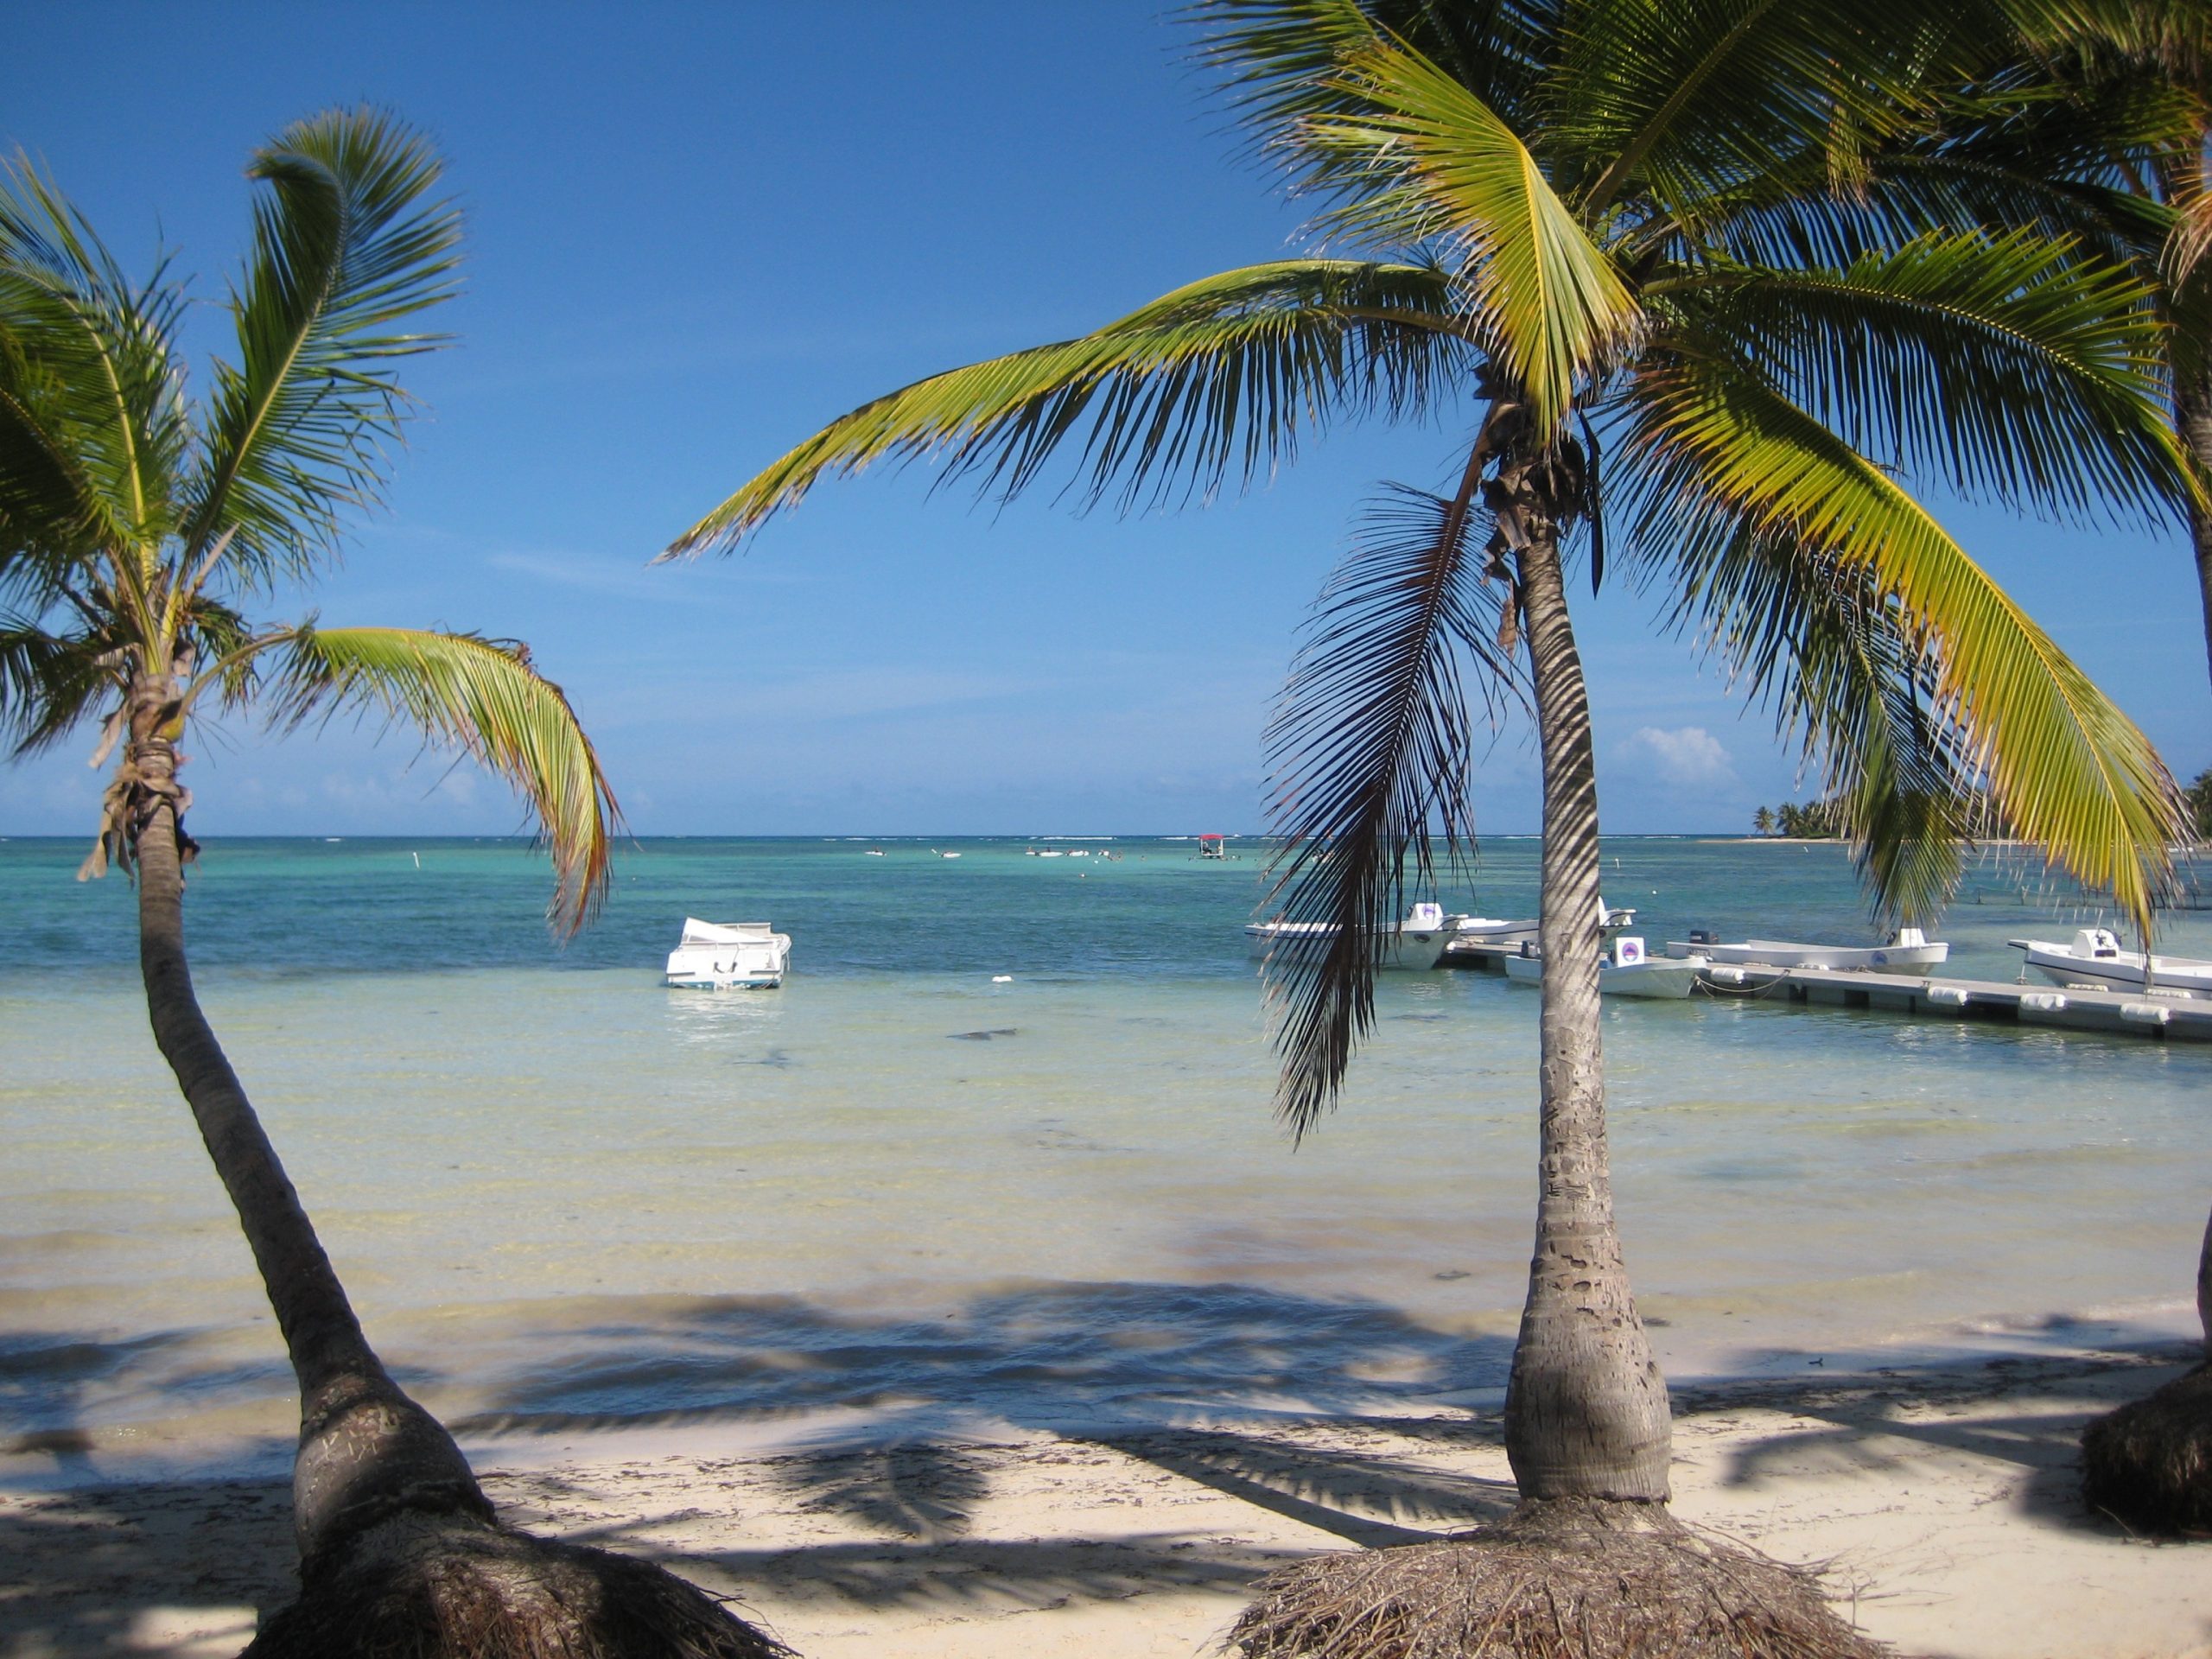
x=2135 y=1014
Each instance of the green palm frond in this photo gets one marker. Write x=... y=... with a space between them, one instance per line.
x=2068 y=769
x=1373 y=741
x=484 y=695
x=2005 y=365
x=92 y=422
x=50 y=682
x=349 y=245
x=1219 y=377
x=1274 y=59
x=1547 y=300
x=1835 y=661
x=1674 y=101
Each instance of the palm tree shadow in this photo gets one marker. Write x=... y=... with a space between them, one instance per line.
x=1326 y=1488
x=82 y=1568
x=1100 y=1367
x=85 y=1560
x=1873 y=1424
x=922 y=1490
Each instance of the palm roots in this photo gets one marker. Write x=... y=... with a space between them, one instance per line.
x=1564 y=1579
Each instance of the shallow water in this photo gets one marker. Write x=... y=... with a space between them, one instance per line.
x=562 y=1194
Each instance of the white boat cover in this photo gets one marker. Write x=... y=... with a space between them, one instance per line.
x=698 y=932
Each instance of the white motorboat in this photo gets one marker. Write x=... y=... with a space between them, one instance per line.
x=724 y=956
x=1910 y=952
x=1488 y=930
x=1625 y=971
x=1419 y=941
x=2094 y=958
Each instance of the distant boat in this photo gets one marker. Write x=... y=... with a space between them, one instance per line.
x=944 y=855
x=873 y=852
x=1910 y=952
x=726 y=956
x=1213 y=847
x=1051 y=852
x=2094 y=958
x=1626 y=971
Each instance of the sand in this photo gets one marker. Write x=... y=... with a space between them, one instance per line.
x=1939 y=1497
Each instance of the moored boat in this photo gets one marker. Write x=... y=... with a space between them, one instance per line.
x=1419 y=941
x=1910 y=952
x=2094 y=958
x=727 y=955
x=1625 y=970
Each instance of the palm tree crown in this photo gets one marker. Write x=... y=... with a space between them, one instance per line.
x=137 y=527
x=1631 y=233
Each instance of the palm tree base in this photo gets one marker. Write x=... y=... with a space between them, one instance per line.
x=2149 y=1463
x=424 y=1587
x=1559 y=1578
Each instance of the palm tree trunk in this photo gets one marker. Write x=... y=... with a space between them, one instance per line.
x=2193 y=418
x=1585 y=1407
x=365 y=1449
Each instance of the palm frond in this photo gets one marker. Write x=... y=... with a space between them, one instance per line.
x=1835 y=661
x=1373 y=741
x=1223 y=375
x=349 y=245
x=2068 y=768
x=1273 y=59
x=1442 y=165
x=484 y=695
x=2191 y=240
x=2005 y=365
x=92 y=422
x=50 y=682
x=1671 y=102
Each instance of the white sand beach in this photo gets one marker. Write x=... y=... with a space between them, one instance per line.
x=1939 y=1501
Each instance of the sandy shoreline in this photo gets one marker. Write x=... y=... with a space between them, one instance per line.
x=1940 y=1496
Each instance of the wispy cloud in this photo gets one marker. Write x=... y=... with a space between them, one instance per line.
x=631 y=578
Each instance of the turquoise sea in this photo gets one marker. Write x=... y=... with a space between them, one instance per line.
x=564 y=1196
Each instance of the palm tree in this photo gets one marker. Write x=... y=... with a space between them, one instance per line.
x=1763 y=821
x=136 y=527
x=2096 y=123
x=2100 y=125
x=1608 y=227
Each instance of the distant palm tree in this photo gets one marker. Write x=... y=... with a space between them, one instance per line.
x=136 y=527
x=1621 y=237
x=1763 y=821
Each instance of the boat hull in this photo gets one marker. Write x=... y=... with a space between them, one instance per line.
x=1402 y=947
x=1663 y=978
x=1847 y=958
x=2124 y=972
x=727 y=957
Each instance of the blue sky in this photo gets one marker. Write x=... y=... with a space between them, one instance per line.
x=695 y=233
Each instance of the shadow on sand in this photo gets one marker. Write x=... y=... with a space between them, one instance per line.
x=1323 y=1413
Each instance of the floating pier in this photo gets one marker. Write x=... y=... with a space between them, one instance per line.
x=2135 y=1014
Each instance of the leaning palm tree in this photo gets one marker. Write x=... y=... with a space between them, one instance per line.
x=137 y=528
x=1603 y=231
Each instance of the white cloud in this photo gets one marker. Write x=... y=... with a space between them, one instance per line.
x=1685 y=757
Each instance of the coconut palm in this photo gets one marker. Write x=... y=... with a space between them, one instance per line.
x=2094 y=120
x=1612 y=236
x=2098 y=124
x=138 y=528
